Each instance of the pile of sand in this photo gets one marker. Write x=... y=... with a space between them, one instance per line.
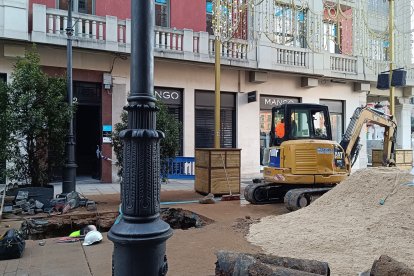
x=348 y=227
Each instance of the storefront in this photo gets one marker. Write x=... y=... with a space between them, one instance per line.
x=173 y=99
x=204 y=119
x=267 y=102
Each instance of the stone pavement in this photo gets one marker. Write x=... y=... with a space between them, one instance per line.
x=95 y=187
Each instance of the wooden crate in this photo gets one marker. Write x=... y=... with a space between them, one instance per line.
x=401 y=156
x=210 y=175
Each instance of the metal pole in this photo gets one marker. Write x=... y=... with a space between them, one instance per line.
x=69 y=168
x=140 y=236
x=217 y=71
x=217 y=94
x=391 y=51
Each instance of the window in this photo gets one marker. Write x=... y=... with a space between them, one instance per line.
x=300 y=129
x=309 y=124
x=81 y=6
x=379 y=7
x=378 y=49
x=319 y=124
x=330 y=37
x=290 y=26
x=236 y=14
x=162 y=13
x=336 y=112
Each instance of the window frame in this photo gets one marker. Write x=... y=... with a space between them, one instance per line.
x=168 y=10
x=296 y=32
x=329 y=38
x=75 y=6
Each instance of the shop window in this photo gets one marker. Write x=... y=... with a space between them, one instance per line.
x=173 y=99
x=204 y=120
x=336 y=111
x=290 y=26
x=81 y=6
x=162 y=13
x=3 y=77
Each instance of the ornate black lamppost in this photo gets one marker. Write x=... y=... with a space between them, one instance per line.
x=69 y=168
x=140 y=236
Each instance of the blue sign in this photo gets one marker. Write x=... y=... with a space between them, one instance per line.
x=106 y=128
x=209 y=7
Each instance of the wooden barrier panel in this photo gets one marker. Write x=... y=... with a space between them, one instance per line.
x=403 y=158
x=217 y=171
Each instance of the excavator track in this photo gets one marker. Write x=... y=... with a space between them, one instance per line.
x=264 y=193
x=299 y=198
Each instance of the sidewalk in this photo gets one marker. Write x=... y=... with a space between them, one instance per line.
x=98 y=188
x=95 y=187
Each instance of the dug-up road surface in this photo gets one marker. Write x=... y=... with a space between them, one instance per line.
x=189 y=252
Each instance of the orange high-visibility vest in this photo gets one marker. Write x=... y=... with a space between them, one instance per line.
x=280 y=130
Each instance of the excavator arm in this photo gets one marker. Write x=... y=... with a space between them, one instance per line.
x=362 y=115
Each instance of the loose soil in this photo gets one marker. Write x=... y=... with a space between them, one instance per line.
x=348 y=227
x=62 y=225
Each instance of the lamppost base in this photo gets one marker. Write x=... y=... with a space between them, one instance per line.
x=139 y=247
x=69 y=178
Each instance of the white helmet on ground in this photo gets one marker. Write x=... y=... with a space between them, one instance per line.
x=92 y=237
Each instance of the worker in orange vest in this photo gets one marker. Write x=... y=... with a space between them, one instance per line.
x=280 y=129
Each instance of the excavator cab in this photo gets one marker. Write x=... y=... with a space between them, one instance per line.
x=299 y=122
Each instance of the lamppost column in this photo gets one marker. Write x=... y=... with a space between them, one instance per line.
x=140 y=236
x=69 y=168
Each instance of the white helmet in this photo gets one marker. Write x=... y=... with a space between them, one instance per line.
x=92 y=237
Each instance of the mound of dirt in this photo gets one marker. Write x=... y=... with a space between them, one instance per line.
x=369 y=214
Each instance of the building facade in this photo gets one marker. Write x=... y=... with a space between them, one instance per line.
x=292 y=54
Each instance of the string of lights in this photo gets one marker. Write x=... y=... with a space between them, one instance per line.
x=354 y=28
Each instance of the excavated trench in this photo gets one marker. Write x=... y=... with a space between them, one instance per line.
x=63 y=225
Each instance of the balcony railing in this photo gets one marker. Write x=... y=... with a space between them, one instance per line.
x=169 y=39
x=233 y=49
x=297 y=57
x=85 y=26
x=343 y=64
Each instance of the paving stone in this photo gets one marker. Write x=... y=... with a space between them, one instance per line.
x=12 y=266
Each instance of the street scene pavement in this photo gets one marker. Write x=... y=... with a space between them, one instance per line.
x=189 y=252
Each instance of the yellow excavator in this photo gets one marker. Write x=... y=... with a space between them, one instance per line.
x=304 y=161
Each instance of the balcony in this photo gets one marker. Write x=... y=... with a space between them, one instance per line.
x=111 y=34
x=108 y=33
